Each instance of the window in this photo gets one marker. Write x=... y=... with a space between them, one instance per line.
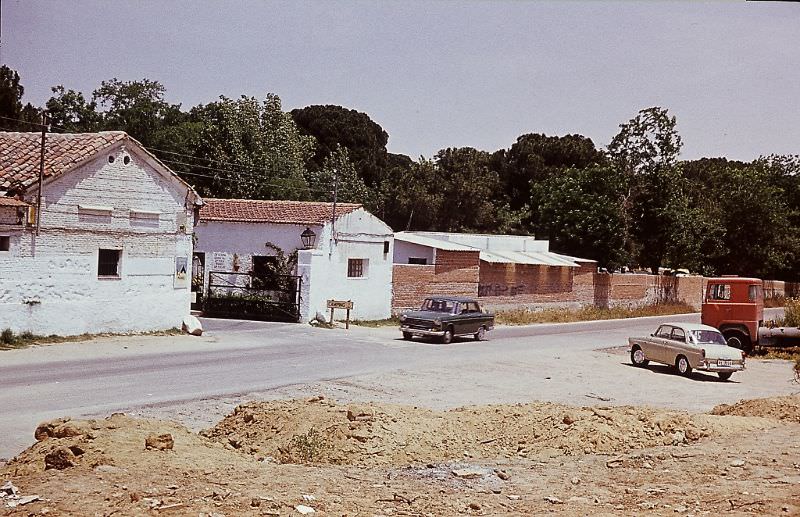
x=469 y=307
x=356 y=268
x=719 y=292
x=678 y=335
x=418 y=260
x=664 y=331
x=5 y=243
x=108 y=263
x=754 y=293
x=385 y=247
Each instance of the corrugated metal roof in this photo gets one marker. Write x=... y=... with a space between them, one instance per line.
x=432 y=243
x=539 y=258
x=573 y=259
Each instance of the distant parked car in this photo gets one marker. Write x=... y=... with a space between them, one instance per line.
x=687 y=346
x=445 y=317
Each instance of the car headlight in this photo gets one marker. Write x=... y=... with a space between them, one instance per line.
x=402 y=317
x=437 y=322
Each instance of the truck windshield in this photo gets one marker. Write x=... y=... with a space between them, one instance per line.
x=434 y=305
x=706 y=336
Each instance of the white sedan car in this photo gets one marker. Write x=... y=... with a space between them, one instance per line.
x=687 y=346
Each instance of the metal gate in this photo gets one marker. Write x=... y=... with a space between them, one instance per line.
x=248 y=297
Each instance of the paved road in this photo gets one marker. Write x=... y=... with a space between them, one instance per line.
x=162 y=376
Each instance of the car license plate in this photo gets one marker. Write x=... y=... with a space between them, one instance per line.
x=725 y=362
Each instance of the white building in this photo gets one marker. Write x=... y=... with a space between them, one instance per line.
x=350 y=257
x=110 y=248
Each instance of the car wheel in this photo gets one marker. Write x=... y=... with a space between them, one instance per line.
x=638 y=357
x=407 y=336
x=740 y=341
x=447 y=337
x=481 y=334
x=724 y=375
x=682 y=364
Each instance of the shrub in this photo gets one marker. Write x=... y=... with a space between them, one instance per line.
x=7 y=337
x=791 y=316
x=311 y=447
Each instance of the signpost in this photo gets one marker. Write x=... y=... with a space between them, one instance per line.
x=341 y=304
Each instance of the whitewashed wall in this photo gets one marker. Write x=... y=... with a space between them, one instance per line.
x=49 y=284
x=405 y=250
x=221 y=240
x=323 y=270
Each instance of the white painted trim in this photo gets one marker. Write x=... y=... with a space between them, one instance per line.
x=145 y=214
x=95 y=209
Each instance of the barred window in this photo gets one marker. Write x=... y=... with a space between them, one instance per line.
x=355 y=268
x=108 y=263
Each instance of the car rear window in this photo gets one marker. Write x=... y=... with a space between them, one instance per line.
x=707 y=337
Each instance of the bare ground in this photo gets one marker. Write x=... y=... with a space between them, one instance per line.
x=266 y=458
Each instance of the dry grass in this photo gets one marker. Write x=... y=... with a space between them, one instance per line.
x=388 y=322
x=10 y=341
x=527 y=317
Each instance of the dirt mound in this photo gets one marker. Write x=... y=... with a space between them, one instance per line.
x=320 y=431
x=775 y=408
x=116 y=440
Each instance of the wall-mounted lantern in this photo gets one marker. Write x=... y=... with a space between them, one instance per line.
x=308 y=237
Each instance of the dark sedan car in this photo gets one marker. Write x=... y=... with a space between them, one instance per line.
x=445 y=317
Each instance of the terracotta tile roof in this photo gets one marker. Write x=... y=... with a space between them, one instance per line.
x=19 y=154
x=261 y=211
x=10 y=201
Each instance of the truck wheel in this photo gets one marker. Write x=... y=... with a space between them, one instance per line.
x=481 y=334
x=682 y=364
x=739 y=340
x=724 y=376
x=407 y=336
x=638 y=357
x=447 y=337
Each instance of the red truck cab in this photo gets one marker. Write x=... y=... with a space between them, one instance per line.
x=735 y=306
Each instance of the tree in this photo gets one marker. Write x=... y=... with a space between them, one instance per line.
x=16 y=116
x=645 y=153
x=581 y=215
x=136 y=107
x=337 y=168
x=250 y=149
x=69 y=111
x=534 y=157
x=334 y=126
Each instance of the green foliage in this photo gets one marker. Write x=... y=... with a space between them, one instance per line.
x=69 y=111
x=336 y=127
x=645 y=153
x=533 y=158
x=337 y=168
x=311 y=447
x=7 y=337
x=791 y=313
x=262 y=145
x=136 y=107
x=580 y=214
x=528 y=317
x=19 y=117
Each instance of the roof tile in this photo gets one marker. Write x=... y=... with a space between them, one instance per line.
x=263 y=211
x=20 y=154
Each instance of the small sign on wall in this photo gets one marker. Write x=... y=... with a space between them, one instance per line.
x=181 y=273
x=220 y=262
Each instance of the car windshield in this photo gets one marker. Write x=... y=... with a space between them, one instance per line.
x=707 y=336
x=434 y=305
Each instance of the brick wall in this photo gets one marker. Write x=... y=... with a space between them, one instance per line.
x=454 y=273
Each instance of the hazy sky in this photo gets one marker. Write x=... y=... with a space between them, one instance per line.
x=436 y=74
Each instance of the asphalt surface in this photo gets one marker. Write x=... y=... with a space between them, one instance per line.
x=156 y=376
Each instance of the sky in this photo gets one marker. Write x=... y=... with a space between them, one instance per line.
x=437 y=74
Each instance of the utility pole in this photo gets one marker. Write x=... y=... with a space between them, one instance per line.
x=333 y=216
x=41 y=174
